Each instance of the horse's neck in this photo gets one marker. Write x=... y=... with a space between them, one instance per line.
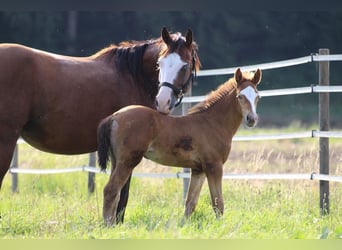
x=151 y=73
x=150 y=59
x=226 y=113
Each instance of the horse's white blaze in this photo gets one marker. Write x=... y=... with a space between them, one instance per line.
x=169 y=67
x=163 y=99
x=250 y=95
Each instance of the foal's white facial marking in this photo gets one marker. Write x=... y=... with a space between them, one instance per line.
x=250 y=95
x=250 y=117
x=169 y=67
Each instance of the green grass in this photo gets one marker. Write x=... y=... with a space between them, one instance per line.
x=59 y=207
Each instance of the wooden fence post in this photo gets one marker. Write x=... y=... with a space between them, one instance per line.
x=91 y=175
x=14 y=164
x=324 y=121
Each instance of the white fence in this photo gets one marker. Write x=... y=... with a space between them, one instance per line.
x=323 y=58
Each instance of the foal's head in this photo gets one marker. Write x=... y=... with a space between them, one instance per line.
x=178 y=63
x=248 y=96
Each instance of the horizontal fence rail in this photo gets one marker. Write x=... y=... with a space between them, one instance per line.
x=280 y=92
x=272 y=65
x=292 y=135
x=182 y=175
x=283 y=136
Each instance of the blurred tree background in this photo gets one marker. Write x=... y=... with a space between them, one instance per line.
x=225 y=39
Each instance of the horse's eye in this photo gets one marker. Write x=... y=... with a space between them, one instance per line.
x=239 y=96
x=185 y=67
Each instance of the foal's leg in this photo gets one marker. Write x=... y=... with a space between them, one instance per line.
x=196 y=183
x=120 y=211
x=111 y=192
x=214 y=174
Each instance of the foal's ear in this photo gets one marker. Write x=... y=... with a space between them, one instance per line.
x=166 y=36
x=257 y=77
x=188 y=37
x=238 y=76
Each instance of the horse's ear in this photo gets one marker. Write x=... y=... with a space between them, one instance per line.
x=238 y=76
x=166 y=36
x=188 y=37
x=257 y=77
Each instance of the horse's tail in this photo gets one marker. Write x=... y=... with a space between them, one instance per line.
x=103 y=139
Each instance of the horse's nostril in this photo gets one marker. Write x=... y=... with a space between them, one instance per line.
x=156 y=103
x=168 y=102
x=250 y=119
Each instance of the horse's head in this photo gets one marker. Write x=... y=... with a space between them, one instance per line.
x=178 y=63
x=248 y=96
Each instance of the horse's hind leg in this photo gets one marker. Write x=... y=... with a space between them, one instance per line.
x=120 y=211
x=195 y=186
x=111 y=192
x=7 y=145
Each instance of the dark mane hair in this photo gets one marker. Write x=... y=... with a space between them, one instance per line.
x=128 y=54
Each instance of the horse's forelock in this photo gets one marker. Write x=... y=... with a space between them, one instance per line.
x=178 y=45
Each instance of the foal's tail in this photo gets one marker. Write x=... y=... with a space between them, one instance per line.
x=103 y=139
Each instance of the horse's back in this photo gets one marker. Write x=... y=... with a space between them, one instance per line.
x=19 y=51
x=136 y=115
x=19 y=64
x=13 y=57
x=136 y=122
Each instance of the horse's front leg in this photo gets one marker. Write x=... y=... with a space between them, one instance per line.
x=111 y=194
x=195 y=186
x=214 y=174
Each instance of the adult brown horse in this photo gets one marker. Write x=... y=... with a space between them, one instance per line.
x=56 y=102
x=200 y=140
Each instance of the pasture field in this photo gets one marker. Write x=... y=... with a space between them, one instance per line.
x=59 y=207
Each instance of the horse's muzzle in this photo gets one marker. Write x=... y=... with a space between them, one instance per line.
x=164 y=109
x=251 y=120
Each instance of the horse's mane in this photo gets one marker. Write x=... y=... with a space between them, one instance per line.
x=215 y=96
x=128 y=54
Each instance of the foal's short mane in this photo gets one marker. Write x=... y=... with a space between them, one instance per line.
x=215 y=96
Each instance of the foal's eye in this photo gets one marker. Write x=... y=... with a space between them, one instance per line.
x=239 y=97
